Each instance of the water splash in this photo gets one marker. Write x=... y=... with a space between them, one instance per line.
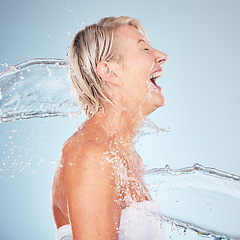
x=150 y=128
x=205 y=200
x=36 y=88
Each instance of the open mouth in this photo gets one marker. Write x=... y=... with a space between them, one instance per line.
x=154 y=76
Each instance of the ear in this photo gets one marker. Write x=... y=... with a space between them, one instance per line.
x=109 y=72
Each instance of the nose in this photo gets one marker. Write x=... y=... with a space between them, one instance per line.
x=161 y=57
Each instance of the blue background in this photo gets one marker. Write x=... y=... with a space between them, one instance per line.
x=200 y=82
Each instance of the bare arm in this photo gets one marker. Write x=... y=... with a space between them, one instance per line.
x=90 y=192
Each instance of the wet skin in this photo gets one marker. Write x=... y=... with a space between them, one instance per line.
x=84 y=190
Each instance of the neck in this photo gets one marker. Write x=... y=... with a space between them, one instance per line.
x=118 y=125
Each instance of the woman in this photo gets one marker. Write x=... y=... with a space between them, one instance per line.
x=98 y=190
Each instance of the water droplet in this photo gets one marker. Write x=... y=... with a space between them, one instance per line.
x=69 y=33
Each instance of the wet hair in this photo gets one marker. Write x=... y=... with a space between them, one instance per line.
x=91 y=45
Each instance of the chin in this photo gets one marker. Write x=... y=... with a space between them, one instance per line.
x=162 y=103
x=152 y=103
x=159 y=101
x=153 y=106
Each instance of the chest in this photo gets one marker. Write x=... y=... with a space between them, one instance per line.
x=130 y=186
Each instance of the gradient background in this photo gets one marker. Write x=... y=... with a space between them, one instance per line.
x=201 y=84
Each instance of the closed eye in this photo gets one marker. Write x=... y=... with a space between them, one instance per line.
x=143 y=44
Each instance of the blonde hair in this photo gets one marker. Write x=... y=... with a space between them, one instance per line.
x=91 y=45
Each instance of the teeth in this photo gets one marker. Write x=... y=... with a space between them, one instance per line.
x=156 y=75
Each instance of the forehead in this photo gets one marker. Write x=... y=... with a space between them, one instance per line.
x=130 y=33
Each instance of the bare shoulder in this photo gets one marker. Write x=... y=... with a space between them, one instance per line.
x=83 y=161
x=81 y=152
x=86 y=181
x=90 y=192
x=80 y=161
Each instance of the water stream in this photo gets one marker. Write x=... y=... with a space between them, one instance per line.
x=36 y=88
x=203 y=199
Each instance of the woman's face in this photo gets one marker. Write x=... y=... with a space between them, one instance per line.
x=141 y=65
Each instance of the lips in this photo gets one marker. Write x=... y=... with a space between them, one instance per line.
x=156 y=74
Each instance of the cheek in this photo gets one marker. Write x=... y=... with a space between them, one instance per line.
x=138 y=70
x=145 y=58
x=144 y=63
